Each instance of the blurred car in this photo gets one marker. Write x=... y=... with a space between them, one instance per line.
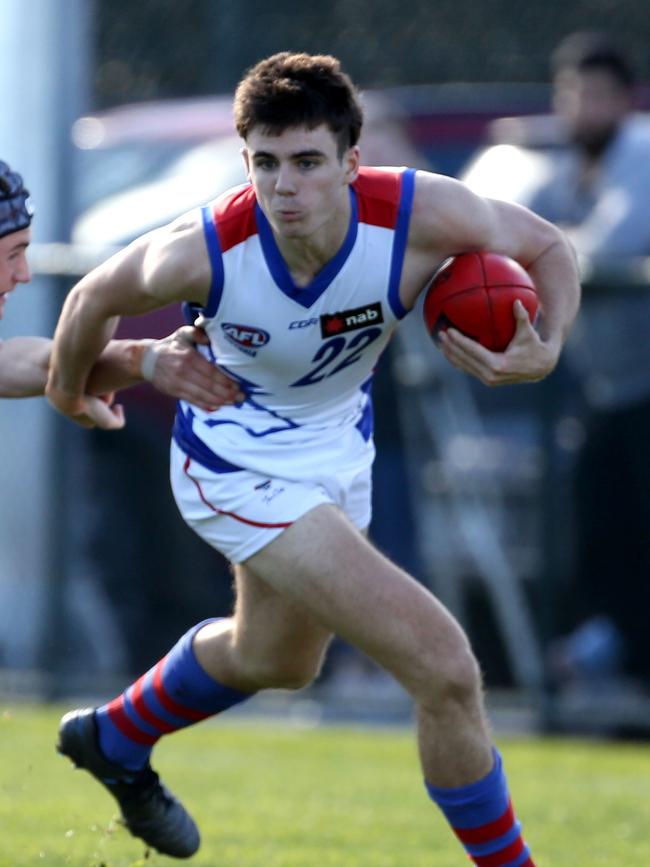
x=140 y=166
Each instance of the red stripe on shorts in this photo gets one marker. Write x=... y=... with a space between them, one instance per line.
x=218 y=511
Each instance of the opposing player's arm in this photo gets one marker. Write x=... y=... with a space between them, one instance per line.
x=448 y=219
x=172 y=365
x=164 y=266
x=23 y=366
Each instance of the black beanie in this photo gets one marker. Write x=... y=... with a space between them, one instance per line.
x=16 y=211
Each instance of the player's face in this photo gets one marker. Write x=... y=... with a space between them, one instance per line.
x=592 y=103
x=300 y=180
x=14 y=268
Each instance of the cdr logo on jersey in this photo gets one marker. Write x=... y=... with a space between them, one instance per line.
x=245 y=337
x=350 y=320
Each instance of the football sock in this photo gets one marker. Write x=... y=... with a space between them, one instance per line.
x=482 y=818
x=172 y=695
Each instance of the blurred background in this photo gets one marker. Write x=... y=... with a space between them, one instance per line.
x=118 y=117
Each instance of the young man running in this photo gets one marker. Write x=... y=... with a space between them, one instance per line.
x=299 y=278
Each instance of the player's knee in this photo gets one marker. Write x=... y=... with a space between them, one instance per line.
x=459 y=677
x=454 y=677
x=464 y=674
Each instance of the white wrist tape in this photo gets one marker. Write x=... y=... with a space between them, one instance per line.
x=148 y=363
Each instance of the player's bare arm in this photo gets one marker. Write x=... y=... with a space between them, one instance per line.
x=448 y=219
x=162 y=267
x=23 y=366
x=171 y=364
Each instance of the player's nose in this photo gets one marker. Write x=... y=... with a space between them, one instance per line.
x=23 y=273
x=285 y=182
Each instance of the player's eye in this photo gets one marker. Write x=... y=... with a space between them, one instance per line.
x=266 y=164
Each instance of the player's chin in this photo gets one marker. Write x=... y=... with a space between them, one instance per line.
x=294 y=229
x=290 y=221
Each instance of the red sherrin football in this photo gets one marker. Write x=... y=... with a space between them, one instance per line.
x=474 y=293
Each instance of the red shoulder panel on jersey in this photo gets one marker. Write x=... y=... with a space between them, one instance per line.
x=234 y=216
x=378 y=196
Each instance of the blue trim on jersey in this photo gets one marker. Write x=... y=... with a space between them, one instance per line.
x=216 y=261
x=399 y=242
x=190 y=312
x=366 y=423
x=287 y=423
x=305 y=295
x=187 y=440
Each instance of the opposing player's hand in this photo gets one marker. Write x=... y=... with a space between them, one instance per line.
x=87 y=410
x=528 y=358
x=177 y=369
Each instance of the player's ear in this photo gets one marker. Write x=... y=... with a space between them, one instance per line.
x=351 y=161
x=247 y=162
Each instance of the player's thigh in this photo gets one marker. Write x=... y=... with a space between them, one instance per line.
x=273 y=632
x=325 y=566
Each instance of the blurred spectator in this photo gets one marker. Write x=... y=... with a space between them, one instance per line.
x=597 y=186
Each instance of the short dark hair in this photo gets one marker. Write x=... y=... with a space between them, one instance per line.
x=290 y=89
x=588 y=50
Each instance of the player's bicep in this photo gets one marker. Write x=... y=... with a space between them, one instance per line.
x=517 y=232
x=176 y=266
x=449 y=218
x=158 y=269
x=114 y=288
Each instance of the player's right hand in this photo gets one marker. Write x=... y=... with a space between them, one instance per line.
x=527 y=358
x=86 y=410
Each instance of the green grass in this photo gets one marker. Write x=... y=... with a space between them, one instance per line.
x=268 y=796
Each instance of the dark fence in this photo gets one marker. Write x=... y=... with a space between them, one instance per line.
x=163 y=48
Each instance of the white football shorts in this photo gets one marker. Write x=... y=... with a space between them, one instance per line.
x=239 y=513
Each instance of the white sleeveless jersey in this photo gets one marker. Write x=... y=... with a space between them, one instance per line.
x=304 y=355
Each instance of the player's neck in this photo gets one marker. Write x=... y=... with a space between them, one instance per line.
x=308 y=254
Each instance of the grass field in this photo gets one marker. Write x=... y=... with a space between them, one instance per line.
x=273 y=796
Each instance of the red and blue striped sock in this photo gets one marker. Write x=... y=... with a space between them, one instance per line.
x=482 y=818
x=172 y=695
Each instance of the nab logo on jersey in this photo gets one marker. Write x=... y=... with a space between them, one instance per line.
x=245 y=337
x=349 y=320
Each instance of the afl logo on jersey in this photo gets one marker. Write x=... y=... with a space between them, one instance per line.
x=245 y=337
